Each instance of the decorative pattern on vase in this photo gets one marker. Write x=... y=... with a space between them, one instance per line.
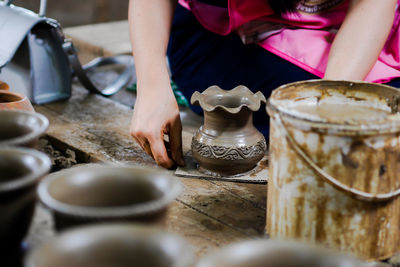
x=230 y=153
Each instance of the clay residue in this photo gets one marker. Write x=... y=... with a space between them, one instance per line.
x=59 y=160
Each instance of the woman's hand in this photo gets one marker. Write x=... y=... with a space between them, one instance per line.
x=156 y=114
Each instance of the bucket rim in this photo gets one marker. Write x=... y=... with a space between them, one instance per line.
x=385 y=126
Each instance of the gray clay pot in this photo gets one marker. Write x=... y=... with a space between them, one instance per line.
x=20 y=171
x=228 y=143
x=21 y=128
x=116 y=245
x=103 y=193
x=270 y=253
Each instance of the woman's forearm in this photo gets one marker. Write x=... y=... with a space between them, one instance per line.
x=360 y=39
x=156 y=112
x=150 y=24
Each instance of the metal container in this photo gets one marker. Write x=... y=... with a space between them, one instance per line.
x=334 y=166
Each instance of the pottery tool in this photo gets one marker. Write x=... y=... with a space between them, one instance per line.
x=258 y=175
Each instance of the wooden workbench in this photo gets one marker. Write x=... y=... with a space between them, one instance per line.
x=209 y=214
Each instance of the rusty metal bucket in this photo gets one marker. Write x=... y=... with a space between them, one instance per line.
x=335 y=166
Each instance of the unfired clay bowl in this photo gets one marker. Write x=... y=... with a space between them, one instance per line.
x=10 y=100
x=112 y=245
x=21 y=128
x=269 y=253
x=20 y=171
x=101 y=193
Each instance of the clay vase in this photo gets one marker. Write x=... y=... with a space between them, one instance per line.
x=108 y=193
x=21 y=128
x=118 y=245
x=270 y=253
x=11 y=100
x=20 y=171
x=228 y=143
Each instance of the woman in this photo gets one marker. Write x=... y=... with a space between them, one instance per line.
x=261 y=44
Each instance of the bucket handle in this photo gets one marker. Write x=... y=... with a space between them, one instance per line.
x=361 y=195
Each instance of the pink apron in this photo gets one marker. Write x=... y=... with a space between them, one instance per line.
x=304 y=38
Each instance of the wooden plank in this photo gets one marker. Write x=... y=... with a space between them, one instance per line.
x=256 y=194
x=223 y=206
x=202 y=232
x=89 y=147
x=102 y=39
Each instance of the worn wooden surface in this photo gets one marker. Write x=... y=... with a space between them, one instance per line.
x=102 y=39
x=208 y=214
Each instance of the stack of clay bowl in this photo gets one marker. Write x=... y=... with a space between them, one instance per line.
x=104 y=196
x=98 y=210
x=20 y=125
x=21 y=168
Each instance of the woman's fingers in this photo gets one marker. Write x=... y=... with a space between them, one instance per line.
x=156 y=113
x=143 y=143
x=159 y=152
x=146 y=147
x=154 y=147
x=175 y=140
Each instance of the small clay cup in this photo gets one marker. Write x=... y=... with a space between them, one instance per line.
x=10 y=100
x=270 y=253
x=104 y=193
x=21 y=128
x=4 y=86
x=20 y=171
x=116 y=245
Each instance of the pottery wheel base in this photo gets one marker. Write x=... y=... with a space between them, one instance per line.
x=258 y=175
